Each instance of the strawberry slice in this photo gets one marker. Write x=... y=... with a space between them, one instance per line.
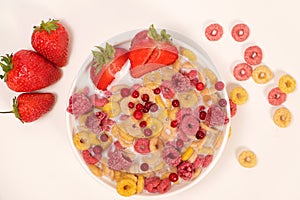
x=150 y=51
x=107 y=62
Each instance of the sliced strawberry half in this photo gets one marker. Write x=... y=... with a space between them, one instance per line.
x=107 y=62
x=150 y=51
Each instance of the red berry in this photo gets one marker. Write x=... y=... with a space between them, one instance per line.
x=175 y=103
x=135 y=94
x=147 y=132
x=219 y=85
x=202 y=115
x=137 y=114
x=104 y=137
x=97 y=149
x=139 y=106
x=145 y=110
x=125 y=92
x=156 y=90
x=148 y=104
x=174 y=123
x=143 y=124
x=200 y=135
x=154 y=107
x=130 y=105
x=200 y=86
x=144 y=166
x=145 y=97
x=173 y=177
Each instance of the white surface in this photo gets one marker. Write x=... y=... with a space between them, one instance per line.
x=37 y=161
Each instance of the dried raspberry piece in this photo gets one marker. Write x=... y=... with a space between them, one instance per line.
x=166 y=89
x=276 y=97
x=185 y=170
x=242 y=71
x=164 y=186
x=233 y=108
x=207 y=160
x=199 y=161
x=88 y=158
x=172 y=156
x=240 y=32
x=151 y=184
x=79 y=104
x=180 y=82
x=214 y=32
x=98 y=101
x=119 y=161
x=142 y=145
x=99 y=122
x=253 y=55
x=215 y=116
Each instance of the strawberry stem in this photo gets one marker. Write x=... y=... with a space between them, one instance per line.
x=6 y=64
x=103 y=56
x=48 y=26
x=163 y=36
x=5 y=112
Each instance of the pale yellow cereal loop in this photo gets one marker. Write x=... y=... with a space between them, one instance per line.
x=287 y=84
x=81 y=141
x=189 y=54
x=247 y=159
x=239 y=95
x=282 y=117
x=262 y=74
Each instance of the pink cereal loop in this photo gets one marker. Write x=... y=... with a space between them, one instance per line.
x=253 y=55
x=240 y=32
x=214 y=32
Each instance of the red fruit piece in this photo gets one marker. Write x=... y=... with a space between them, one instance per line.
x=151 y=184
x=185 y=170
x=207 y=160
x=276 y=97
x=233 y=108
x=215 y=116
x=79 y=104
x=51 y=39
x=164 y=186
x=88 y=158
x=150 y=51
x=107 y=62
x=29 y=107
x=27 y=71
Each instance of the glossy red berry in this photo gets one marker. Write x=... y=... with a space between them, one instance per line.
x=173 y=177
x=200 y=86
x=104 y=137
x=219 y=85
x=175 y=103
x=174 y=123
x=143 y=124
x=200 y=134
x=139 y=106
x=97 y=149
x=156 y=90
x=135 y=94
x=130 y=105
x=202 y=115
x=145 y=97
x=137 y=114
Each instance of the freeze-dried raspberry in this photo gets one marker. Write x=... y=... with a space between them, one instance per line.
x=98 y=101
x=185 y=170
x=198 y=162
x=180 y=82
x=164 y=186
x=233 y=108
x=215 y=116
x=99 y=122
x=207 y=160
x=119 y=161
x=151 y=184
x=79 y=104
x=88 y=158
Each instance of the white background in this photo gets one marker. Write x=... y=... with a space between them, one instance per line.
x=36 y=159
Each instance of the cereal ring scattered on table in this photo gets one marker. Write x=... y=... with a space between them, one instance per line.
x=247 y=159
x=240 y=32
x=262 y=74
x=239 y=95
x=126 y=187
x=282 y=117
x=253 y=55
x=214 y=32
x=276 y=97
x=242 y=71
x=287 y=84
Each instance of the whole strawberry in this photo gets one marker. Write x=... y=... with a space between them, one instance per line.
x=51 y=40
x=27 y=71
x=29 y=107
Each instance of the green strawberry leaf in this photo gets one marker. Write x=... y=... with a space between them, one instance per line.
x=6 y=64
x=163 y=36
x=103 y=56
x=48 y=26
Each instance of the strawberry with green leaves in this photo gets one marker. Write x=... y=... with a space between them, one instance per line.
x=150 y=51
x=29 y=107
x=27 y=71
x=51 y=39
x=106 y=63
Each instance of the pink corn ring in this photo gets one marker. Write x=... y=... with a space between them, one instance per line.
x=253 y=55
x=276 y=97
x=214 y=32
x=242 y=71
x=240 y=32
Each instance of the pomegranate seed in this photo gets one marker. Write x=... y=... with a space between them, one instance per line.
x=143 y=124
x=202 y=115
x=135 y=94
x=156 y=90
x=200 y=134
x=174 y=123
x=97 y=149
x=130 y=105
x=137 y=114
x=145 y=110
x=219 y=85
x=201 y=107
x=145 y=97
x=125 y=92
x=175 y=103
x=226 y=120
x=173 y=177
x=139 y=106
x=200 y=86
x=144 y=166
x=147 y=132
x=104 y=137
